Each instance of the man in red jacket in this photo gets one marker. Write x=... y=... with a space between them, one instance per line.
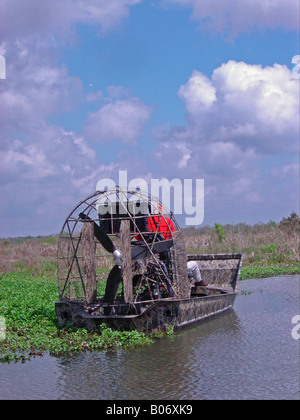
x=160 y=223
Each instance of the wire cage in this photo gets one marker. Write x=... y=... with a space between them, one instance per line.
x=146 y=237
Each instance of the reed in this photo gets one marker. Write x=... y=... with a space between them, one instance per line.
x=263 y=248
x=34 y=256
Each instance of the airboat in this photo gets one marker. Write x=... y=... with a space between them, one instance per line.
x=122 y=261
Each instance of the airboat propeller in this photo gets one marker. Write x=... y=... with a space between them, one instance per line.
x=85 y=271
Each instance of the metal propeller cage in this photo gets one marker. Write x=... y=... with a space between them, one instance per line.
x=108 y=208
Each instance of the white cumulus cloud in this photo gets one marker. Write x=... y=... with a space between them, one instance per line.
x=249 y=104
x=120 y=120
x=198 y=93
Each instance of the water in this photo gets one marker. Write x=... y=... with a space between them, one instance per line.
x=246 y=353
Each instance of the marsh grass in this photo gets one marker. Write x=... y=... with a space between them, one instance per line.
x=261 y=245
x=34 y=256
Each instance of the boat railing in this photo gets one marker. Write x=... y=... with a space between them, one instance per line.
x=219 y=270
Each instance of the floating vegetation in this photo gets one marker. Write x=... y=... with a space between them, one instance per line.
x=27 y=305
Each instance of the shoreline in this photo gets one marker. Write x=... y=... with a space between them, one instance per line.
x=256 y=272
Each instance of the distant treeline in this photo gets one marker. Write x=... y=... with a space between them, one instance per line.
x=291 y=223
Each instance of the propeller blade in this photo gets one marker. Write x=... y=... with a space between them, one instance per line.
x=102 y=237
x=112 y=285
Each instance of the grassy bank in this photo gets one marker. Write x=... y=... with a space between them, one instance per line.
x=28 y=285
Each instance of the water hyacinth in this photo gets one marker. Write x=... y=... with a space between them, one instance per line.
x=27 y=305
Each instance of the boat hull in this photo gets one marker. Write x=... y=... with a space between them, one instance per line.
x=155 y=316
x=220 y=273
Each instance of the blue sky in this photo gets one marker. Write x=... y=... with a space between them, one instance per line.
x=166 y=88
x=154 y=51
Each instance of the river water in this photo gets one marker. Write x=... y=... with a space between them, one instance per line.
x=246 y=353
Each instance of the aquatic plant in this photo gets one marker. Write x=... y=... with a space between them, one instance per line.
x=260 y=272
x=27 y=305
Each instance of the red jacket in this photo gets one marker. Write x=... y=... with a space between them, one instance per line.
x=161 y=224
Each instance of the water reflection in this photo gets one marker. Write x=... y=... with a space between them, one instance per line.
x=173 y=367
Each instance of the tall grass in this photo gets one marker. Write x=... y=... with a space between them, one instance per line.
x=34 y=256
x=263 y=248
x=261 y=244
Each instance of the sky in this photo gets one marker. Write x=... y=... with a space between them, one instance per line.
x=175 y=89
